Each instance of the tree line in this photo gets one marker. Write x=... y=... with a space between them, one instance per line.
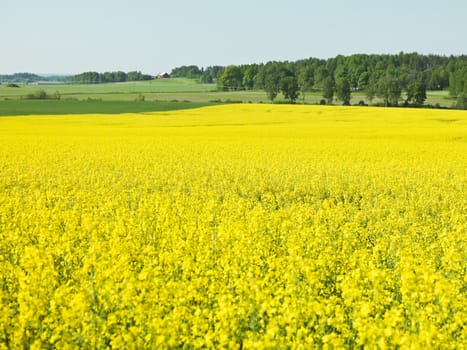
x=20 y=78
x=397 y=79
x=28 y=78
x=109 y=77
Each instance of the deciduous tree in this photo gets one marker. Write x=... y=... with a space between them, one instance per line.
x=328 y=89
x=343 y=91
x=416 y=93
x=305 y=80
x=389 y=89
x=290 y=88
x=230 y=79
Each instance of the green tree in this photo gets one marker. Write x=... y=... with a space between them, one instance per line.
x=416 y=93
x=230 y=79
x=272 y=76
x=395 y=92
x=210 y=74
x=452 y=84
x=321 y=74
x=191 y=72
x=290 y=88
x=249 y=76
x=271 y=86
x=115 y=77
x=370 y=89
x=389 y=89
x=137 y=76
x=305 y=80
x=206 y=78
x=328 y=89
x=343 y=91
x=363 y=81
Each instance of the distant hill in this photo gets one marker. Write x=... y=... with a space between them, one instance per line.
x=20 y=78
x=27 y=78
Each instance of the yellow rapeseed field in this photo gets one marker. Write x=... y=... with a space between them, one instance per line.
x=238 y=226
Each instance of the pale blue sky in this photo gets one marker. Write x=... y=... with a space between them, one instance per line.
x=68 y=36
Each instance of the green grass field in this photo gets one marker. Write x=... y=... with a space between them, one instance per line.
x=174 y=85
x=55 y=107
x=158 y=95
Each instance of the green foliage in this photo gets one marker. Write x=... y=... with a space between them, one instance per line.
x=42 y=95
x=321 y=74
x=137 y=76
x=384 y=76
x=249 y=76
x=230 y=79
x=328 y=89
x=416 y=93
x=343 y=90
x=273 y=74
x=109 y=77
x=87 y=78
x=458 y=79
x=272 y=87
x=305 y=80
x=437 y=78
x=363 y=80
x=290 y=88
x=370 y=89
x=343 y=85
x=210 y=74
x=190 y=72
x=389 y=89
x=22 y=78
x=461 y=101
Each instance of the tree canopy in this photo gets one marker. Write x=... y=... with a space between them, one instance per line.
x=109 y=77
x=384 y=76
x=231 y=79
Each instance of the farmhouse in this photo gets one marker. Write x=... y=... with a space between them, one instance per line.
x=163 y=75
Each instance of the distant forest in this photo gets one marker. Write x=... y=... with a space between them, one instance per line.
x=109 y=77
x=82 y=78
x=26 y=78
x=395 y=79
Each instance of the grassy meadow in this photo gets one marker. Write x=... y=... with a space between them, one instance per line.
x=148 y=96
x=60 y=107
x=241 y=226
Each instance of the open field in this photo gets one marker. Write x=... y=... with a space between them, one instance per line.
x=59 y=107
x=161 y=90
x=236 y=226
x=174 y=85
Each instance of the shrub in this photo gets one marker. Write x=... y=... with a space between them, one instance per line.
x=38 y=95
x=42 y=95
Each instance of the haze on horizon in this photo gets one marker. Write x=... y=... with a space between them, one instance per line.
x=57 y=37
